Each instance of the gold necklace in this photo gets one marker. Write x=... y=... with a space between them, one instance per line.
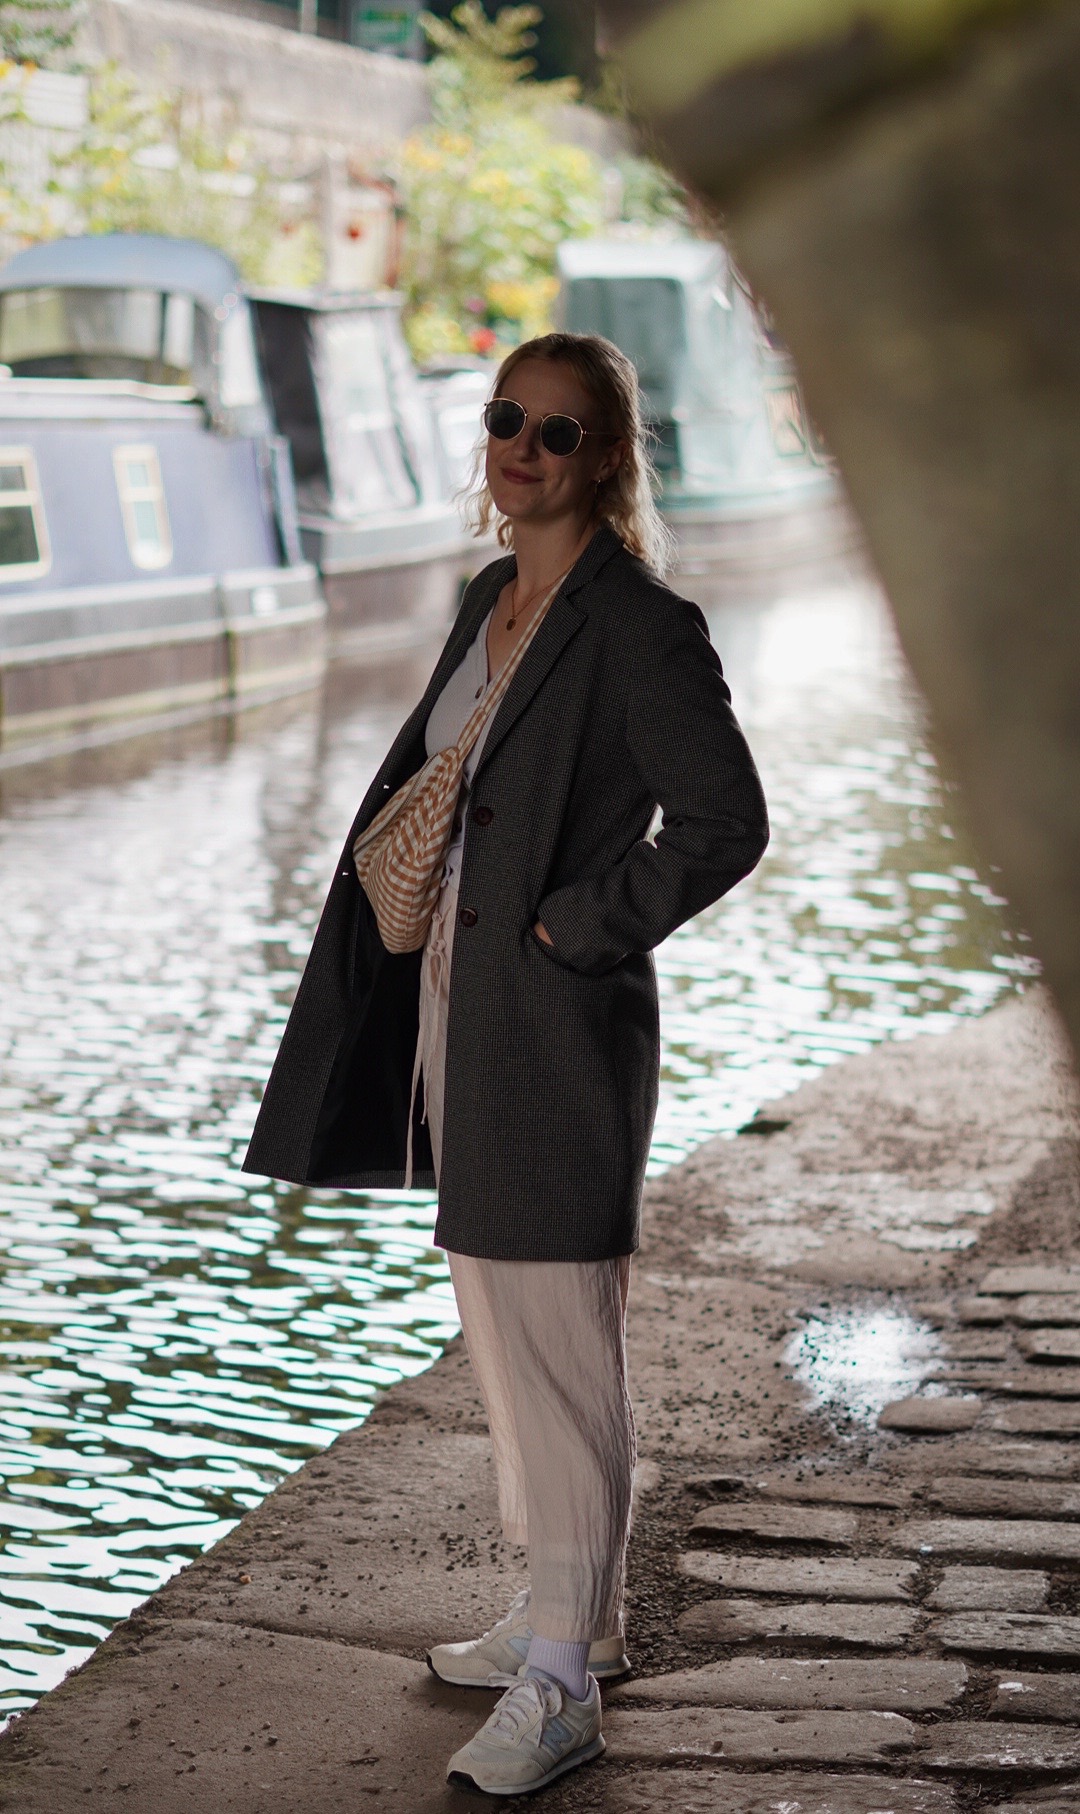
x=516 y=610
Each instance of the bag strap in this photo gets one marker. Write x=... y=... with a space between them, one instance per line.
x=492 y=699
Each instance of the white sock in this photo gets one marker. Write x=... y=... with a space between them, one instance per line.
x=566 y=1662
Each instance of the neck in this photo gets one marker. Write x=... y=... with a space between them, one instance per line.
x=545 y=550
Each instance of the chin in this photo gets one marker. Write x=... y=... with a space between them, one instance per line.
x=510 y=503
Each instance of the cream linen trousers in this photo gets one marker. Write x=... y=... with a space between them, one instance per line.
x=546 y=1342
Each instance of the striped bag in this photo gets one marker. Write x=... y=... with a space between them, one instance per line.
x=399 y=857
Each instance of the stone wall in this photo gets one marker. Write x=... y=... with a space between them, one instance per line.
x=302 y=96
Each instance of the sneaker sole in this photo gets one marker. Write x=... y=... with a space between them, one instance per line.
x=604 y=1672
x=462 y=1780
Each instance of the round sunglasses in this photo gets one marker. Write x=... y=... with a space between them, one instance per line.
x=559 y=435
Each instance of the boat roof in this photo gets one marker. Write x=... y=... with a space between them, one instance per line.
x=126 y=261
x=327 y=302
x=685 y=260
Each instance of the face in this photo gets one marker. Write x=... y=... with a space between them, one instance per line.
x=527 y=483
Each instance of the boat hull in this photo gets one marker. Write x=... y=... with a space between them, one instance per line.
x=79 y=659
x=390 y=585
x=752 y=547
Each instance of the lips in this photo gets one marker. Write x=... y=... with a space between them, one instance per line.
x=517 y=477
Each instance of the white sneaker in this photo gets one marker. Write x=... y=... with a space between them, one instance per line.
x=536 y=1732
x=480 y=1662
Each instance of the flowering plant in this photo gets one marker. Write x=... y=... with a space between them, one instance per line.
x=490 y=191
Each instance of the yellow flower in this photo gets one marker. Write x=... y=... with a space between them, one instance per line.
x=454 y=144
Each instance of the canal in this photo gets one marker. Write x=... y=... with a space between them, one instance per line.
x=175 y=1336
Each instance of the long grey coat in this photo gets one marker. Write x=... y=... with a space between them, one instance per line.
x=552 y=1056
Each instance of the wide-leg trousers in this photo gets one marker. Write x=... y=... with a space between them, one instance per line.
x=547 y=1344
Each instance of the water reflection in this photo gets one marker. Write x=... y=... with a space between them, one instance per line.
x=868 y=918
x=174 y=1336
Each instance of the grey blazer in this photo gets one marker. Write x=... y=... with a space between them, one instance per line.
x=552 y=1055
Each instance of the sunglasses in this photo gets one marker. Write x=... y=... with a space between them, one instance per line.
x=559 y=435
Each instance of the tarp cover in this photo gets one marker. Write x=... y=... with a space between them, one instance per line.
x=121 y=261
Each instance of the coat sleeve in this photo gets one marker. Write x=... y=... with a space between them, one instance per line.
x=693 y=760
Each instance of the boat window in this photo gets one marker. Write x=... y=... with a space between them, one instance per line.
x=786 y=421
x=24 y=541
x=646 y=318
x=368 y=468
x=139 y=335
x=285 y=341
x=415 y=423
x=178 y=333
x=142 y=505
x=240 y=382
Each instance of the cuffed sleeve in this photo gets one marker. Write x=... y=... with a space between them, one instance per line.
x=693 y=760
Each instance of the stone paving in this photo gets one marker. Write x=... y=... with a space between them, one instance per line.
x=993 y=1613
x=828 y=1614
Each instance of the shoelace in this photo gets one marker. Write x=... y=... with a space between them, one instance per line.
x=510 y=1617
x=525 y=1697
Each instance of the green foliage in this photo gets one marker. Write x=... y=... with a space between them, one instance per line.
x=489 y=191
x=150 y=164
x=39 y=31
x=484 y=63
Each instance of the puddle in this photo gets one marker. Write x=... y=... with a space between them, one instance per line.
x=854 y=1362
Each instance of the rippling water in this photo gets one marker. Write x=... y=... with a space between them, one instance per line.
x=174 y=1336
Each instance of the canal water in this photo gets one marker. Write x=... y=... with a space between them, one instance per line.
x=176 y=1336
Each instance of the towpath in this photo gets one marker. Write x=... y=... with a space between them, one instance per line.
x=855 y=1571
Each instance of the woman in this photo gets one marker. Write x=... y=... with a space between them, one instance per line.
x=514 y=1060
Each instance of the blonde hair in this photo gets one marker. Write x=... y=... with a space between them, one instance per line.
x=626 y=499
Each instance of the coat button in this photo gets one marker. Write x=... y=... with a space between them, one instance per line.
x=468 y=916
x=483 y=815
x=456 y=827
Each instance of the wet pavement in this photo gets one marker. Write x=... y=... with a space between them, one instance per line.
x=175 y=1337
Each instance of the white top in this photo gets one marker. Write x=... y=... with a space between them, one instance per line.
x=446 y=720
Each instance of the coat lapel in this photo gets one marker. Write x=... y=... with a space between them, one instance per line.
x=397 y=765
x=563 y=620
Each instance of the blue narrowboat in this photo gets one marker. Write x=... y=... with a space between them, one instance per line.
x=747 y=485
x=150 y=552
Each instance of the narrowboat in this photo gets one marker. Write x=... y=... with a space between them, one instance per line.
x=377 y=453
x=746 y=484
x=150 y=552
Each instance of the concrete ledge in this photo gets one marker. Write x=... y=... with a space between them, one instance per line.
x=391 y=1539
x=199 y=1717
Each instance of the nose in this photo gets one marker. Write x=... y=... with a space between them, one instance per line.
x=527 y=442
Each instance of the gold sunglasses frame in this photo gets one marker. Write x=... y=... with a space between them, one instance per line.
x=559 y=415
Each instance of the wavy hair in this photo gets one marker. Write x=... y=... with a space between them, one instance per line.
x=627 y=498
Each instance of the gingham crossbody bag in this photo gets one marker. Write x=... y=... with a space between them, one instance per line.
x=399 y=857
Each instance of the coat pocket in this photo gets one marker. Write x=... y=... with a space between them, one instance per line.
x=551 y=956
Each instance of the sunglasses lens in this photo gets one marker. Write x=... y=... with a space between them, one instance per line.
x=503 y=419
x=561 y=435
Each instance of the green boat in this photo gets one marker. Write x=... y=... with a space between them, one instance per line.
x=747 y=485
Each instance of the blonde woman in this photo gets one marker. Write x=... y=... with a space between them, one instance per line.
x=513 y=1061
